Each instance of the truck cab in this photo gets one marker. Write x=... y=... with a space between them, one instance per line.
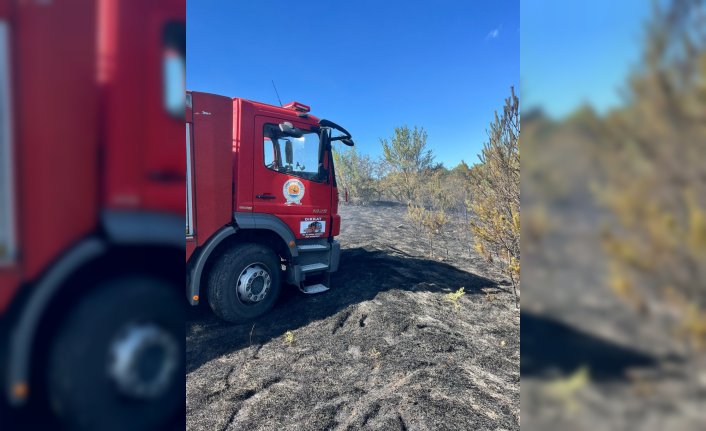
x=262 y=202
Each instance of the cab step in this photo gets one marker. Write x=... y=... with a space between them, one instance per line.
x=313 y=267
x=313 y=288
x=312 y=247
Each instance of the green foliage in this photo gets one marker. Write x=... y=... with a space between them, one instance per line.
x=453 y=298
x=356 y=174
x=406 y=157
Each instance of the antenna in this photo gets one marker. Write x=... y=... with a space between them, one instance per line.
x=276 y=92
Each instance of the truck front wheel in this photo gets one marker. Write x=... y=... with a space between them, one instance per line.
x=117 y=361
x=244 y=282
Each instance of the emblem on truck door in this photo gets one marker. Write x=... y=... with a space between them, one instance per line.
x=293 y=191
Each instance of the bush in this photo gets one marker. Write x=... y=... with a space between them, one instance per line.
x=495 y=204
x=654 y=177
x=430 y=222
x=357 y=175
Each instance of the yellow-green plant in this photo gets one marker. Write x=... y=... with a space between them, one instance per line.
x=374 y=353
x=654 y=177
x=430 y=222
x=289 y=337
x=416 y=214
x=495 y=203
x=453 y=298
x=375 y=356
x=565 y=390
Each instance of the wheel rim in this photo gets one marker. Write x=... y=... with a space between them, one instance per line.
x=254 y=284
x=143 y=359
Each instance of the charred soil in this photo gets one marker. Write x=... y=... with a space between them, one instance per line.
x=383 y=349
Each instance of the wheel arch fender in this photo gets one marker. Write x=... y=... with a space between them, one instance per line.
x=23 y=332
x=246 y=225
x=193 y=285
x=267 y=222
x=127 y=229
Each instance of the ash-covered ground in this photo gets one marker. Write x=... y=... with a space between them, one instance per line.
x=383 y=349
x=590 y=359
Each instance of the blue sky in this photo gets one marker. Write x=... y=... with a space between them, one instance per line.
x=367 y=65
x=579 y=52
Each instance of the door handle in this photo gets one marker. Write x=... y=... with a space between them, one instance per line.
x=166 y=176
x=267 y=196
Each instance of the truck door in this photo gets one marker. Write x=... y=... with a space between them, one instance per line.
x=291 y=177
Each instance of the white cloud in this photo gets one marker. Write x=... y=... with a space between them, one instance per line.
x=493 y=33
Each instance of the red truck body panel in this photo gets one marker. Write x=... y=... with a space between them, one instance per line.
x=55 y=136
x=243 y=136
x=142 y=141
x=90 y=130
x=211 y=151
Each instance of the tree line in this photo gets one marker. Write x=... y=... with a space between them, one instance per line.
x=485 y=195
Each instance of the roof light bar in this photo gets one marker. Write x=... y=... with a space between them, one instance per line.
x=299 y=107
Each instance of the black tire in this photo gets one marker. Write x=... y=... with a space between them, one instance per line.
x=223 y=278
x=80 y=390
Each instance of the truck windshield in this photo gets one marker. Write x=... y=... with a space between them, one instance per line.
x=304 y=161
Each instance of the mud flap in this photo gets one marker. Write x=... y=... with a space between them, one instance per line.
x=335 y=256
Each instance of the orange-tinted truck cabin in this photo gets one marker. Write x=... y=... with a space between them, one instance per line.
x=259 y=176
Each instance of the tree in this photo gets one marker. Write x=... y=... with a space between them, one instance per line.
x=356 y=174
x=495 y=204
x=654 y=178
x=406 y=156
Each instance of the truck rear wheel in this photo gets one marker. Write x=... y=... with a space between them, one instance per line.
x=117 y=361
x=244 y=282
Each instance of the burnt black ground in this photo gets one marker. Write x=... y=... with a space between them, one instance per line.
x=639 y=374
x=382 y=349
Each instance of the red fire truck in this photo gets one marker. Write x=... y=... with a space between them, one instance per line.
x=262 y=202
x=91 y=210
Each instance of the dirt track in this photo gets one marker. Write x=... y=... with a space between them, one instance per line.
x=382 y=349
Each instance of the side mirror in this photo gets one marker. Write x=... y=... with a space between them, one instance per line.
x=288 y=129
x=288 y=152
x=174 y=72
x=345 y=138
